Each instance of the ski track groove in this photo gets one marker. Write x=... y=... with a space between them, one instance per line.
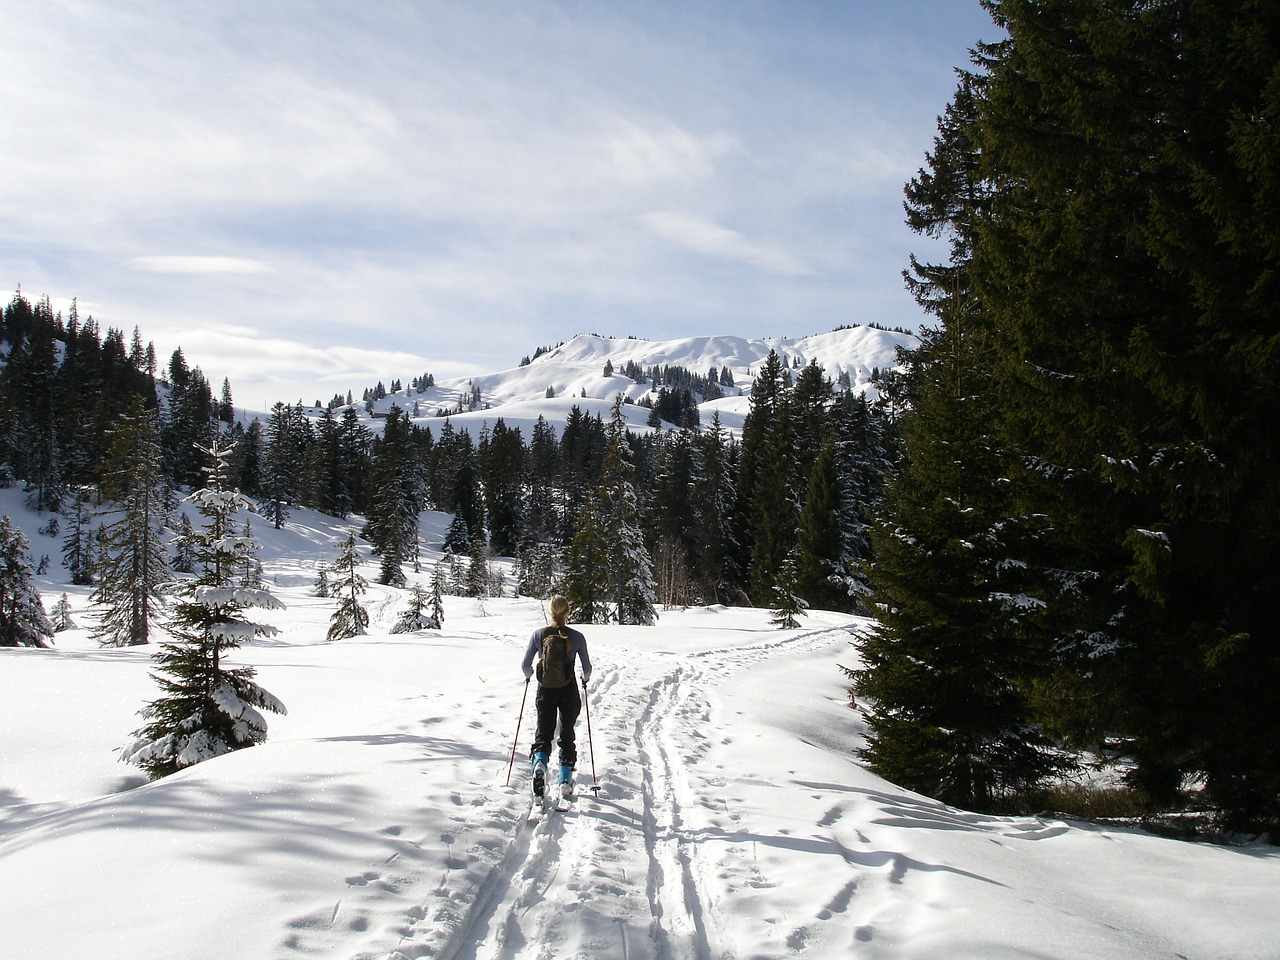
x=528 y=905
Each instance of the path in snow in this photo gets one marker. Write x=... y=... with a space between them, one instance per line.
x=633 y=873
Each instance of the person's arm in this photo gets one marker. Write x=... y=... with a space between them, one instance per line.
x=584 y=659
x=529 y=654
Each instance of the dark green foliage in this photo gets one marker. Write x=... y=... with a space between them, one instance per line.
x=399 y=488
x=207 y=708
x=350 y=618
x=504 y=467
x=132 y=562
x=1108 y=178
x=23 y=622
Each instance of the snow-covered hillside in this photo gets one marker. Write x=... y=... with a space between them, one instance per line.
x=574 y=374
x=733 y=819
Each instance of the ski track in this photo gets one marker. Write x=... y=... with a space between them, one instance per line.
x=570 y=885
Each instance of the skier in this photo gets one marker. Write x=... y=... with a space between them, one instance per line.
x=554 y=649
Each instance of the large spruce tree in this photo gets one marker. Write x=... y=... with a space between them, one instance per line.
x=1108 y=179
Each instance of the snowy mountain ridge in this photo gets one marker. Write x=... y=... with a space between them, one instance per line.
x=573 y=373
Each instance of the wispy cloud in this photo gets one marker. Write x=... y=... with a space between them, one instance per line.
x=713 y=240
x=166 y=263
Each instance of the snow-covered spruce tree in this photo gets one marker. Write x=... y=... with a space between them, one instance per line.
x=435 y=614
x=133 y=563
x=62 y=615
x=206 y=708
x=478 y=579
x=416 y=616
x=22 y=618
x=535 y=569
x=610 y=573
x=631 y=588
x=350 y=619
x=321 y=585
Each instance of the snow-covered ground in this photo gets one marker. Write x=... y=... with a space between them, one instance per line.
x=733 y=819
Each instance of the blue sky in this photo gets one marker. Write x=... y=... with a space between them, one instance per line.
x=312 y=197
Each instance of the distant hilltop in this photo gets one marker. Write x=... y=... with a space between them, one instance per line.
x=589 y=371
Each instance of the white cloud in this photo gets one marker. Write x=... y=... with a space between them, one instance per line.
x=713 y=240
x=178 y=264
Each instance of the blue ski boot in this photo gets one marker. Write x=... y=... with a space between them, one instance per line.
x=539 y=773
x=566 y=782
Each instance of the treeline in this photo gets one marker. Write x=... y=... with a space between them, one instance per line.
x=1080 y=547
x=779 y=518
x=64 y=386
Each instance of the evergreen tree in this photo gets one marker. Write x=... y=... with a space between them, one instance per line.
x=587 y=565
x=350 y=619
x=184 y=559
x=713 y=497
x=629 y=586
x=207 y=708
x=399 y=489
x=766 y=481
x=503 y=462
x=23 y=622
x=321 y=585
x=435 y=612
x=949 y=669
x=280 y=480
x=62 y=615
x=820 y=567
x=536 y=570
x=189 y=424
x=133 y=564
x=540 y=521
x=1125 y=265
x=788 y=605
x=77 y=546
x=478 y=569
x=416 y=616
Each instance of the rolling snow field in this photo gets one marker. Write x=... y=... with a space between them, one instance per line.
x=733 y=818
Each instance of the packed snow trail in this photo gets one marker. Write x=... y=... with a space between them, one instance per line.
x=627 y=873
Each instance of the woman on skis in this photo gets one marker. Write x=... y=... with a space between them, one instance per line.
x=551 y=654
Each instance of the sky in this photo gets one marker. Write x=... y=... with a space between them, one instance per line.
x=309 y=198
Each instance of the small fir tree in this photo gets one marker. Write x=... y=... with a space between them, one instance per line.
x=321 y=585
x=206 y=708
x=62 y=615
x=350 y=619
x=435 y=614
x=788 y=605
x=416 y=616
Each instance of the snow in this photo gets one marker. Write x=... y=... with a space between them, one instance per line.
x=733 y=818
x=575 y=368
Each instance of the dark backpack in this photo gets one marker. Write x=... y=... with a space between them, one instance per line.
x=553 y=663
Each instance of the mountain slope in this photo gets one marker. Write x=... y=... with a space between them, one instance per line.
x=573 y=373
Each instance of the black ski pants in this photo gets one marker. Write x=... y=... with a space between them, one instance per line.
x=562 y=704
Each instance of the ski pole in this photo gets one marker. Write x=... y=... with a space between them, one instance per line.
x=511 y=765
x=595 y=787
